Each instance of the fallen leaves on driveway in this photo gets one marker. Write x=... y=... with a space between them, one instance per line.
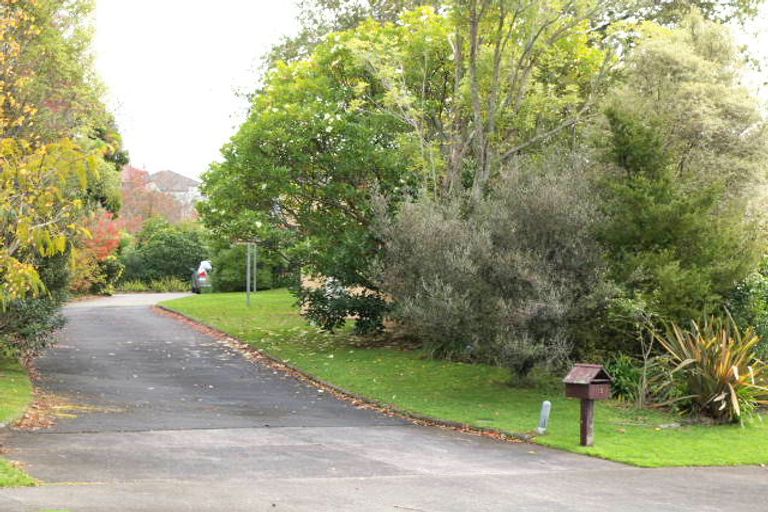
x=256 y=356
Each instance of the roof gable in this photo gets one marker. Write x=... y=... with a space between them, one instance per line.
x=586 y=373
x=169 y=181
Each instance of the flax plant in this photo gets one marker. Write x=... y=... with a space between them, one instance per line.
x=717 y=366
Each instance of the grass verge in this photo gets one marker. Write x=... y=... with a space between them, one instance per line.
x=15 y=397
x=477 y=395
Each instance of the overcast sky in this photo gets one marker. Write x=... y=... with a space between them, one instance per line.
x=755 y=36
x=174 y=68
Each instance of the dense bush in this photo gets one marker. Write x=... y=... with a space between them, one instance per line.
x=749 y=305
x=675 y=248
x=684 y=147
x=112 y=271
x=92 y=275
x=627 y=373
x=503 y=280
x=330 y=306
x=28 y=326
x=163 y=250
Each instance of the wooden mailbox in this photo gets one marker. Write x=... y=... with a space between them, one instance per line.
x=588 y=382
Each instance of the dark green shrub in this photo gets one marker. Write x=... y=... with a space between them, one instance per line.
x=647 y=380
x=627 y=373
x=684 y=148
x=749 y=305
x=331 y=306
x=681 y=151
x=163 y=250
x=676 y=251
x=27 y=326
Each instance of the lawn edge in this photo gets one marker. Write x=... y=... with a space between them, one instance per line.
x=257 y=355
x=8 y=426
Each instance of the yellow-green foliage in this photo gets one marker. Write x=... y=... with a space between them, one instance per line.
x=162 y=285
x=39 y=189
x=47 y=102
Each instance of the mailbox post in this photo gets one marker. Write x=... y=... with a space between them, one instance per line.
x=588 y=382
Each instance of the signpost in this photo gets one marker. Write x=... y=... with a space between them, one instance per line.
x=251 y=260
x=248 y=274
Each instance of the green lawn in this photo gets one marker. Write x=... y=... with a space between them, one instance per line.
x=473 y=394
x=15 y=396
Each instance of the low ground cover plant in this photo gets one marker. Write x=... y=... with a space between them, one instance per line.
x=162 y=285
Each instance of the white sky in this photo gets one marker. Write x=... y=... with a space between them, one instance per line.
x=755 y=37
x=173 y=68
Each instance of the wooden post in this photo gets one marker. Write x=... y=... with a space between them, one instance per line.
x=587 y=422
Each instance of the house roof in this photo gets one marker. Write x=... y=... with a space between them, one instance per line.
x=169 y=181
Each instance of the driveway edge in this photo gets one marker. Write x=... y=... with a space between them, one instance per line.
x=259 y=356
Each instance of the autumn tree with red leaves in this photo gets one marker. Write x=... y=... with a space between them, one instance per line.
x=95 y=267
x=105 y=235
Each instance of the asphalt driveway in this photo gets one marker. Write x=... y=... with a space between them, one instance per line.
x=159 y=417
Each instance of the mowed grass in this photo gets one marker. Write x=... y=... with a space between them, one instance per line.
x=15 y=396
x=474 y=394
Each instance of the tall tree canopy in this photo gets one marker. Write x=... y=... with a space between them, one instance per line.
x=391 y=107
x=442 y=105
x=687 y=150
x=59 y=153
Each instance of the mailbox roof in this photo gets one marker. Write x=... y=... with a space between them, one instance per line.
x=586 y=373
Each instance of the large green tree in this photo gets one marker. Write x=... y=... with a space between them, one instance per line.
x=318 y=18
x=438 y=101
x=687 y=151
x=306 y=162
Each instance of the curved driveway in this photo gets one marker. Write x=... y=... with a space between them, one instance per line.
x=159 y=417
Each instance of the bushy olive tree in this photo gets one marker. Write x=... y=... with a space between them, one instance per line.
x=504 y=279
